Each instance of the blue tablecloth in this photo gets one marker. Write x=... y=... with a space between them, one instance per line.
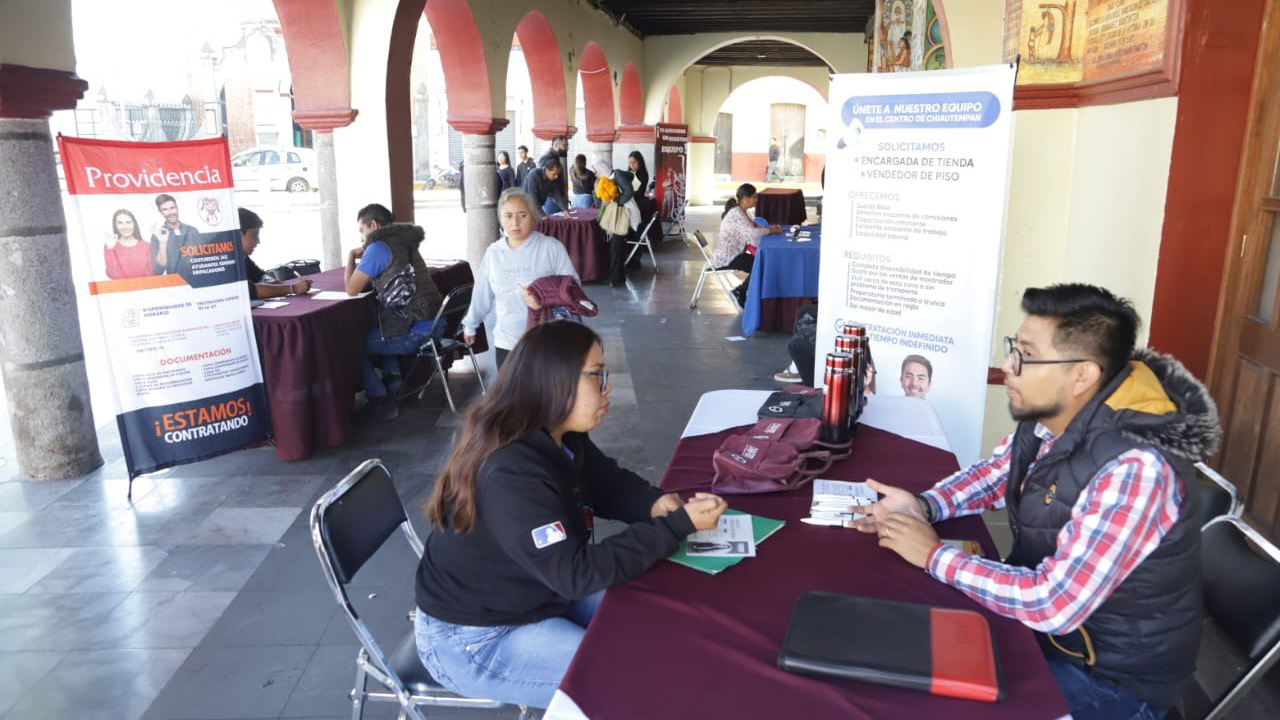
x=783 y=268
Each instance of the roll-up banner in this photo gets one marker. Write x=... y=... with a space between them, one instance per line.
x=913 y=226
x=161 y=236
x=669 y=173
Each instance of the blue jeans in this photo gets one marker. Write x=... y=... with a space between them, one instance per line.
x=550 y=207
x=516 y=664
x=1089 y=698
x=582 y=201
x=388 y=351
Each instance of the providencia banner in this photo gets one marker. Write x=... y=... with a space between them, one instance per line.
x=162 y=240
x=912 y=230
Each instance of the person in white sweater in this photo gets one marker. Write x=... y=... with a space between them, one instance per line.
x=509 y=265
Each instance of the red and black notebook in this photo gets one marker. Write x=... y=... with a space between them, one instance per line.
x=938 y=650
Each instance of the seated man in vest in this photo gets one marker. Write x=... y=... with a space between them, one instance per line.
x=1105 y=564
x=407 y=302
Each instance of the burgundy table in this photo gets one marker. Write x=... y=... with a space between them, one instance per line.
x=311 y=351
x=781 y=206
x=584 y=239
x=676 y=643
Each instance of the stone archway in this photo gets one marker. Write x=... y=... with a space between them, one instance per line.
x=630 y=97
x=597 y=94
x=546 y=75
x=675 y=108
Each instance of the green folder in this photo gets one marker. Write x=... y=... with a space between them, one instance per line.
x=761 y=527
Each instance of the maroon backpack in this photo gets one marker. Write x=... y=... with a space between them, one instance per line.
x=745 y=465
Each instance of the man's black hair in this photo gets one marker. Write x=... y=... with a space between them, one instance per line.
x=919 y=360
x=249 y=220
x=525 y=148
x=1092 y=322
x=162 y=199
x=558 y=138
x=551 y=164
x=375 y=213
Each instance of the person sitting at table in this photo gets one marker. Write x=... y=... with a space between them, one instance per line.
x=126 y=254
x=408 y=300
x=737 y=232
x=250 y=235
x=510 y=578
x=506 y=175
x=518 y=258
x=583 y=182
x=1105 y=565
x=546 y=187
x=624 y=192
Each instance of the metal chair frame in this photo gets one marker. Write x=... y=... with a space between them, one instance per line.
x=1258 y=670
x=709 y=269
x=371 y=661
x=1237 y=505
x=644 y=240
x=433 y=350
x=675 y=228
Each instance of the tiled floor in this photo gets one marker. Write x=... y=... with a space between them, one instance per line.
x=203 y=598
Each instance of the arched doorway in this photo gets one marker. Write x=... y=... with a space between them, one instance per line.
x=597 y=94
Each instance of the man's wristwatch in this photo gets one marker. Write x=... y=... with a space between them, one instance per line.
x=927 y=507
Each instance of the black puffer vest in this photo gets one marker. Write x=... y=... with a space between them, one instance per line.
x=1143 y=638
x=406 y=292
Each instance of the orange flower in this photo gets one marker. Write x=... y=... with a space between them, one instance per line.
x=606 y=189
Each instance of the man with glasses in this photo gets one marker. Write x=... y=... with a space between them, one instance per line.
x=1105 y=563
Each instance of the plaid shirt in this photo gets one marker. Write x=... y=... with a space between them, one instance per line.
x=1119 y=519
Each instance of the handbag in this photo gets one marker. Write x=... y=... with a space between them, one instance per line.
x=614 y=219
x=744 y=465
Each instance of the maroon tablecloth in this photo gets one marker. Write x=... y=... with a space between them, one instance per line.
x=676 y=643
x=584 y=239
x=310 y=351
x=781 y=206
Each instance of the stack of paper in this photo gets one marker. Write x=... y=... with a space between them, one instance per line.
x=833 y=498
x=718 y=553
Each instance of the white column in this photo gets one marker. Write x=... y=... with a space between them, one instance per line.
x=481 y=180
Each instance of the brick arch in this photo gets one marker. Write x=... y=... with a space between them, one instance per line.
x=630 y=97
x=318 y=63
x=675 y=110
x=597 y=94
x=546 y=75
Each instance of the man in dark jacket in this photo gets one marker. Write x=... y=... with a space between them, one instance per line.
x=559 y=151
x=1105 y=563
x=524 y=166
x=408 y=301
x=545 y=186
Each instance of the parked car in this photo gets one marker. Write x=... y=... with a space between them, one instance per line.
x=275 y=168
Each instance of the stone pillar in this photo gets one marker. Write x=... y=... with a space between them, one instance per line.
x=322 y=123
x=41 y=353
x=600 y=151
x=480 y=177
x=330 y=225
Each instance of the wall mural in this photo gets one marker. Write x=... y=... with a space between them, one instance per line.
x=906 y=35
x=1084 y=40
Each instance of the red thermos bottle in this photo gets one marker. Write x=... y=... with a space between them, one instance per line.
x=835 y=404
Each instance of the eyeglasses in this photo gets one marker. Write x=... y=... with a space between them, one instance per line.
x=1011 y=350
x=604 y=377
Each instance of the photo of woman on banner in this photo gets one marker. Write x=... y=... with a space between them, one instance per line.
x=127 y=255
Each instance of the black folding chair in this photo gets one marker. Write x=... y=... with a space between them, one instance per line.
x=452 y=309
x=1241 y=577
x=1216 y=494
x=348 y=525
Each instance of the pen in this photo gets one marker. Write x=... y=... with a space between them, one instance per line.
x=817 y=521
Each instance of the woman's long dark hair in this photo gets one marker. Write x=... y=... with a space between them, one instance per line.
x=745 y=190
x=503 y=157
x=535 y=390
x=579 y=171
x=641 y=172
x=137 y=229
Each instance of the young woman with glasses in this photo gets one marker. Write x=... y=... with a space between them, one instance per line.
x=510 y=578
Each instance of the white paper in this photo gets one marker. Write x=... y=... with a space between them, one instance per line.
x=732 y=537
x=335 y=295
x=735 y=338
x=833 y=498
x=272 y=304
